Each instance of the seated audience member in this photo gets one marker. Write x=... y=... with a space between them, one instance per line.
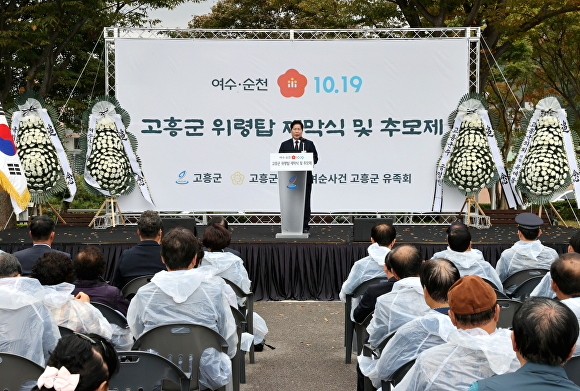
x=544 y=334
x=544 y=288
x=368 y=300
x=42 y=234
x=144 y=259
x=55 y=272
x=227 y=265
x=89 y=265
x=405 y=301
x=476 y=350
x=26 y=326
x=565 y=273
x=372 y=266
x=220 y=220
x=469 y=261
x=80 y=363
x=184 y=294
x=432 y=329
x=528 y=252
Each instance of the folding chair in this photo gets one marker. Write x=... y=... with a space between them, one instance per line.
x=400 y=373
x=65 y=331
x=239 y=361
x=348 y=323
x=572 y=368
x=247 y=310
x=495 y=288
x=522 y=292
x=182 y=344
x=142 y=371
x=508 y=309
x=113 y=316
x=361 y=332
x=516 y=279
x=15 y=370
x=133 y=286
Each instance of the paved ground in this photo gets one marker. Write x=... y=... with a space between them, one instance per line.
x=309 y=353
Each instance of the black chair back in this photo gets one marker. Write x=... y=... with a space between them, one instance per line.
x=133 y=286
x=507 y=311
x=16 y=370
x=113 y=316
x=143 y=370
x=518 y=278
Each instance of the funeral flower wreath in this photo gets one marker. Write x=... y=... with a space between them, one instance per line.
x=545 y=170
x=107 y=163
x=38 y=156
x=471 y=166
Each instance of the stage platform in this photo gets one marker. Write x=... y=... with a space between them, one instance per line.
x=305 y=269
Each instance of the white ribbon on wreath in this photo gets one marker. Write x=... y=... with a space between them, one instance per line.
x=447 y=151
x=33 y=107
x=570 y=153
x=512 y=197
x=105 y=111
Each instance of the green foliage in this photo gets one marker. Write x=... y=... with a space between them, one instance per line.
x=567 y=210
x=46 y=45
x=83 y=199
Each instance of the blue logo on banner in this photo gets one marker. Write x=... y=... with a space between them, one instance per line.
x=292 y=184
x=182 y=181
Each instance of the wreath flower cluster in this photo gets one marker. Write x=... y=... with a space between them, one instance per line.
x=108 y=163
x=545 y=167
x=471 y=167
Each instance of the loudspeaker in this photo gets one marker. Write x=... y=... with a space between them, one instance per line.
x=362 y=228
x=186 y=222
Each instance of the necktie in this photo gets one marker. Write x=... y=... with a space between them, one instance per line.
x=296 y=146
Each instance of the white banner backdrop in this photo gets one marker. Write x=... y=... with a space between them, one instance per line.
x=208 y=113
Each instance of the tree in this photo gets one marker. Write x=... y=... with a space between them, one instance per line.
x=45 y=44
x=298 y=14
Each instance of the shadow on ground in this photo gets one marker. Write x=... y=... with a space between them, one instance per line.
x=309 y=353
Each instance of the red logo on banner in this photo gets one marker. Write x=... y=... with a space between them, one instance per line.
x=293 y=157
x=292 y=83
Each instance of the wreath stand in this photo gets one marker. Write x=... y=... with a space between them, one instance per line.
x=555 y=212
x=477 y=220
x=38 y=209
x=112 y=211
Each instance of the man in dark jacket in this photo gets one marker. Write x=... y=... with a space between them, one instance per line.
x=145 y=258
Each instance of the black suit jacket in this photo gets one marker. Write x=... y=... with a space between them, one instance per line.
x=28 y=256
x=369 y=299
x=142 y=260
x=304 y=145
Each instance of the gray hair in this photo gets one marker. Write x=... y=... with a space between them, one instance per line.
x=9 y=265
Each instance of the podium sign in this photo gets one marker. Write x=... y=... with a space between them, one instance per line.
x=299 y=161
x=292 y=168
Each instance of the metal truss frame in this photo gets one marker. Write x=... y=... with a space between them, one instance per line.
x=471 y=34
x=240 y=218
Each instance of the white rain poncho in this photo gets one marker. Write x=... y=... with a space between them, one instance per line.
x=230 y=267
x=26 y=326
x=187 y=296
x=471 y=263
x=574 y=304
x=525 y=255
x=410 y=339
x=75 y=314
x=468 y=356
x=184 y=296
x=365 y=269
x=403 y=304
x=544 y=288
